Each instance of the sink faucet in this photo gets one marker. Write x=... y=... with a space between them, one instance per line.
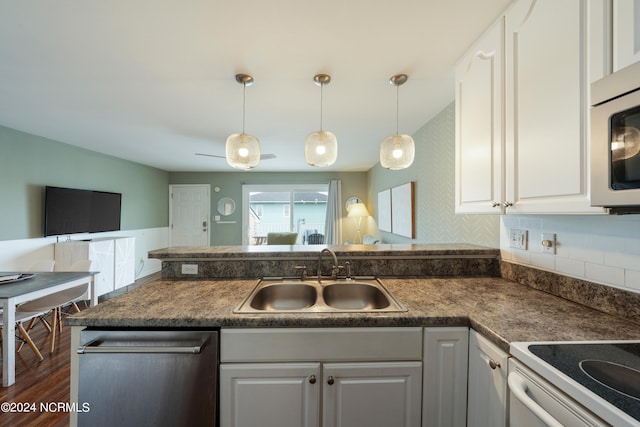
x=333 y=268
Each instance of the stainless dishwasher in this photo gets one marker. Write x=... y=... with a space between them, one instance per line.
x=148 y=378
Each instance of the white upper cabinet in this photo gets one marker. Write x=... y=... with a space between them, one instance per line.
x=547 y=86
x=479 y=125
x=522 y=139
x=626 y=33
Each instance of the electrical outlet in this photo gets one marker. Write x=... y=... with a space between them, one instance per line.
x=189 y=268
x=518 y=239
x=548 y=243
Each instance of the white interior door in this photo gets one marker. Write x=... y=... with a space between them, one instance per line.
x=189 y=214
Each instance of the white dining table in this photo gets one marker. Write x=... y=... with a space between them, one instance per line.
x=14 y=293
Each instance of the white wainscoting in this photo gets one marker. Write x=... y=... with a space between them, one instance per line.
x=20 y=255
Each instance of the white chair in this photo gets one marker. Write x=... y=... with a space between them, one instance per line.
x=53 y=304
x=23 y=334
x=43 y=265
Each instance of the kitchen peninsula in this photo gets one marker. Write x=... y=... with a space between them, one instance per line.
x=451 y=288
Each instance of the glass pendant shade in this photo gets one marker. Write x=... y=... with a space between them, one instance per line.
x=397 y=152
x=243 y=151
x=321 y=148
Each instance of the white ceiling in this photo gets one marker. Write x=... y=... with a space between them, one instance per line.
x=152 y=81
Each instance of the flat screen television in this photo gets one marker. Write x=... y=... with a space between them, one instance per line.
x=71 y=211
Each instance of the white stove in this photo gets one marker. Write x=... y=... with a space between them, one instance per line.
x=602 y=376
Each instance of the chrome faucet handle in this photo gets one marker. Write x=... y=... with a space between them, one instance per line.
x=335 y=271
x=303 y=271
x=347 y=264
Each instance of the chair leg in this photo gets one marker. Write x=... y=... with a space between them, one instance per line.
x=29 y=327
x=54 y=321
x=59 y=310
x=45 y=323
x=27 y=338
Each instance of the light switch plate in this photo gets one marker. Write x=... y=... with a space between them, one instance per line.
x=548 y=243
x=189 y=269
x=518 y=238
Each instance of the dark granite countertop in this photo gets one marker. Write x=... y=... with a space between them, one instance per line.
x=353 y=251
x=501 y=310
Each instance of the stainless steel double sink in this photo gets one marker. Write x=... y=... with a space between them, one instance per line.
x=313 y=296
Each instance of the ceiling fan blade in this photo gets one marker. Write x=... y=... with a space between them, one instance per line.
x=262 y=156
x=210 y=155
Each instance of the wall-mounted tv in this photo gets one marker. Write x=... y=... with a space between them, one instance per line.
x=70 y=211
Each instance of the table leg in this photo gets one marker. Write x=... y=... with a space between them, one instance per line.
x=92 y=288
x=9 y=343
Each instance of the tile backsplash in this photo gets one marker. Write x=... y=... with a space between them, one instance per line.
x=599 y=248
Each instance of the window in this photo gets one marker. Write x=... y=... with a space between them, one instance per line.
x=279 y=208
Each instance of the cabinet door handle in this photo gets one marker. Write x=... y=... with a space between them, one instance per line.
x=507 y=204
x=495 y=204
x=493 y=364
x=330 y=380
x=312 y=379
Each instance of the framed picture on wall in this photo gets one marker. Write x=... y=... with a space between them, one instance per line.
x=384 y=210
x=402 y=210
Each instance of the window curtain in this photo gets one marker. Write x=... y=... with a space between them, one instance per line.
x=333 y=223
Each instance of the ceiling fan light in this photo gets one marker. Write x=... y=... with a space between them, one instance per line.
x=242 y=151
x=397 y=152
x=321 y=148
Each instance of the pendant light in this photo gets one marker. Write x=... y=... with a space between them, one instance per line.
x=243 y=150
x=321 y=147
x=397 y=151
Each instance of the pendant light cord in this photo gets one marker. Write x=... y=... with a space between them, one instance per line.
x=244 y=94
x=397 y=106
x=321 y=98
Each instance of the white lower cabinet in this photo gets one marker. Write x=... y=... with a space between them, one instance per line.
x=348 y=377
x=444 y=390
x=487 y=395
x=269 y=394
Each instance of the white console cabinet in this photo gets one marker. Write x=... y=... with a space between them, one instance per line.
x=113 y=258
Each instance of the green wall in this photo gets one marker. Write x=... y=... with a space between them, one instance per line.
x=230 y=183
x=29 y=162
x=433 y=171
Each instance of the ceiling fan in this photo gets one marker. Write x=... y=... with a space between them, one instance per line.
x=262 y=156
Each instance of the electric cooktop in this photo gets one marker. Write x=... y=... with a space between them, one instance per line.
x=609 y=369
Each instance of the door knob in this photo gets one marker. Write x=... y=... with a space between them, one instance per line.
x=312 y=379
x=330 y=380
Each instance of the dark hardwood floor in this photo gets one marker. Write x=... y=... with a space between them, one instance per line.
x=41 y=386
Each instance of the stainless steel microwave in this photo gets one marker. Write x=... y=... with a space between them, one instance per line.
x=615 y=141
